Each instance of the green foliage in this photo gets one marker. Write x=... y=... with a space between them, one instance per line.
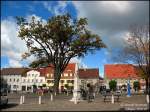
x=43 y=85
x=34 y=86
x=57 y=41
x=67 y=86
x=112 y=85
x=136 y=85
x=67 y=39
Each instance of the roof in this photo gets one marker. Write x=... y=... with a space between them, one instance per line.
x=89 y=73
x=13 y=71
x=113 y=71
x=70 y=68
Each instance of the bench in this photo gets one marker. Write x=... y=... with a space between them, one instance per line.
x=109 y=96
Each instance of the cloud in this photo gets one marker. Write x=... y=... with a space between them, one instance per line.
x=11 y=45
x=37 y=18
x=56 y=8
x=14 y=63
x=79 y=61
x=112 y=19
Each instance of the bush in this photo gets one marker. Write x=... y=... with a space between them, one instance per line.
x=136 y=85
x=112 y=85
x=66 y=86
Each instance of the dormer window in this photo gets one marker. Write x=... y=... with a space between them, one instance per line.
x=47 y=75
x=71 y=74
x=65 y=75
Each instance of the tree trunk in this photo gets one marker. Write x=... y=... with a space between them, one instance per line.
x=147 y=85
x=57 y=76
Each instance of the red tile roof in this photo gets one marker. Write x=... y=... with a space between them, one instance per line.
x=113 y=71
x=70 y=67
x=89 y=73
x=50 y=69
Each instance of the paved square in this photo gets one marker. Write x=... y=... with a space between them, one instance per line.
x=61 y=103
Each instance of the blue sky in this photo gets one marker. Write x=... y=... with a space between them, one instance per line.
x=108 y=19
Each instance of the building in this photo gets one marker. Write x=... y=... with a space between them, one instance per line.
x=26 y=79
x=89 y=75
x=32 y=78
x=121 y=73
x=13 y=77
x=67 y=76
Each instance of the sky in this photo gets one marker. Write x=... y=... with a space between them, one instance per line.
x=109 y=19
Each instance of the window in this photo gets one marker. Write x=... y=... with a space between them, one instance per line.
x=17 y=80
x=65 y=75
x=51 y=81
x=14 y=80
x=24 y=80
x=48 y=81
x=28 y=80
x=32 y=80
x=36 y=80
x=14 y=86
x=82 y=81
x=68 y=81
x=72 y=81
x=71 y=74
x=32 y=75
x=41 y=80
x=62 y=81
x=47 y=75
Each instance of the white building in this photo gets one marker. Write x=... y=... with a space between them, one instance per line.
x=32 y=77
x=12 y=77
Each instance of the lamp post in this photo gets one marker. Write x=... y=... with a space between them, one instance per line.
x=128 y=87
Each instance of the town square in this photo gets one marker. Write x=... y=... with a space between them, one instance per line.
x=75 y=56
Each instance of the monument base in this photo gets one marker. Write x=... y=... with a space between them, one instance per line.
x=76 y=96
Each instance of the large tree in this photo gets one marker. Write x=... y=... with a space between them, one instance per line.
x=136 y=51
x=57 y=41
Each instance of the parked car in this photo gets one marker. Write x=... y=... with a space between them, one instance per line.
x=4 y=98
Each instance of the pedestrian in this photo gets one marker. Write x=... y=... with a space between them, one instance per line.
x=90 y=92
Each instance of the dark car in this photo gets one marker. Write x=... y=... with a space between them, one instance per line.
x=4 y=98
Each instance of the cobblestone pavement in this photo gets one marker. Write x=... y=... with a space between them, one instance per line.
x=61 y=103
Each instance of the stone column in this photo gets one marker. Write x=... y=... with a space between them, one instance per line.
x=76 y=91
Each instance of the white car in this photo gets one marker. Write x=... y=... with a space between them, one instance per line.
x=4 y=98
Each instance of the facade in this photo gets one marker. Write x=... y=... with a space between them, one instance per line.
x=26 y=79
x=13 y=77
x=32 y=78
x=89 y=76
x=122 y=73
x=67 y=76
